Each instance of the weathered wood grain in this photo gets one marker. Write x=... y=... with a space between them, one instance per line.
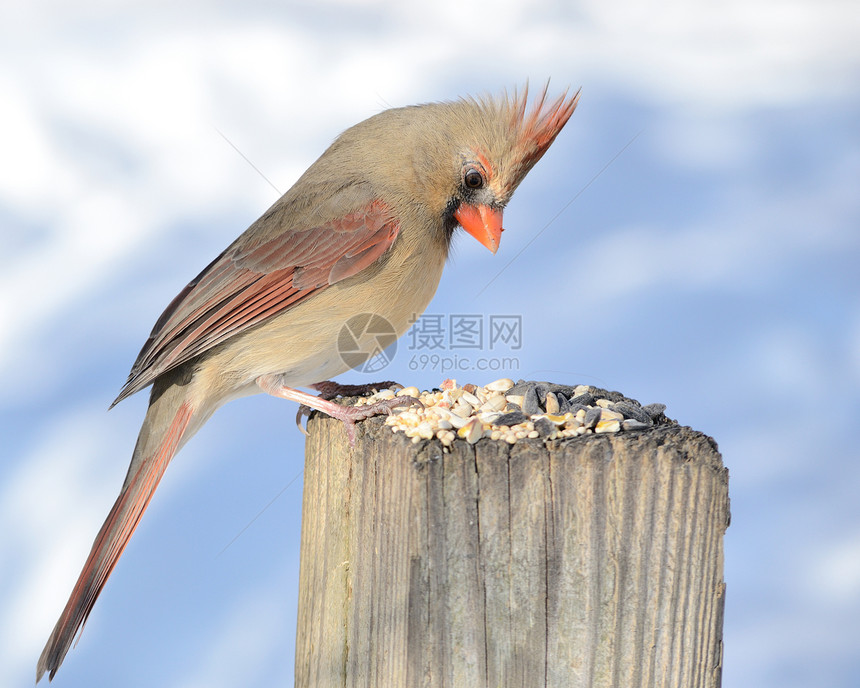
x=593 y=562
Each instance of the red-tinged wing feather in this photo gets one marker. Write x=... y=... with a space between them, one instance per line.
x=256 y=279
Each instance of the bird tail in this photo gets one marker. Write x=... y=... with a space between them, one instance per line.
x=165 y=429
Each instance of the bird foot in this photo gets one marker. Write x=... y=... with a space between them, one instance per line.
x=349 y=415
x=329 y=389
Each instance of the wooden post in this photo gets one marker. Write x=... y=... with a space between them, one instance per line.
x=592 y=562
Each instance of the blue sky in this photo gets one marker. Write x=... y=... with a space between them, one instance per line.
x=712 y=266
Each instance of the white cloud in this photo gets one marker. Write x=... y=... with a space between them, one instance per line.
x=151 y=95
x=729 y=55
x=108 y=138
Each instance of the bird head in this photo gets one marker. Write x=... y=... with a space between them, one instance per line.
x=495 y=142
x=440 y=165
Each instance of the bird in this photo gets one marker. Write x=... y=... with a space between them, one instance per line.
x=366 y=229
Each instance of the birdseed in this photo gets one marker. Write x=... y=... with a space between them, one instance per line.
x=506 y=411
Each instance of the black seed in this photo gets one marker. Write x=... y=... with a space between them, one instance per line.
x=544 y=426
x=512 y=418
x=520 y=388
x=592 y=415
x=632 y=411
x=563 y=403
x=567 y=390
x=584 y=399
x=654 y=410
x=530 y=401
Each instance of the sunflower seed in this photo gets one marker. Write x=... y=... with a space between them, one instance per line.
x=530 y=402
x=513 y=418
x=654 y=410
x=592 y=416
x=563 y=403
x=544 y=426
x=631 y=411
x=582 y=400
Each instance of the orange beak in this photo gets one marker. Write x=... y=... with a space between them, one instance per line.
x=482 y=222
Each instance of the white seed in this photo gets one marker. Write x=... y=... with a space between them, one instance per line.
x=471 y=399
x=384 y=394
x=607 y=426
x=603 y=403
x=533 y=434
x=580 y=389
x=489 y=417
x=496 y=403
x=515 y=399
x=408 y=392
x=409 y=417
x=462 y=410
x=472 y=431
x=501 y=385
x=551 y=403
x=608 y=414
x=438 y=411
x=458 y=421
x=425 y=430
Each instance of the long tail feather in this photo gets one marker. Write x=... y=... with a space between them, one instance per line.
x=160 y=437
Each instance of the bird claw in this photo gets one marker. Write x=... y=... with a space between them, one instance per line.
x=303 y=411
x=348 y=415
x=386 y=406
x=273 y=384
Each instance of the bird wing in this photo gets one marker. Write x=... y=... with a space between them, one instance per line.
x=264 y=272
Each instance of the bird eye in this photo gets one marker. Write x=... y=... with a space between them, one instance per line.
x=473 y=179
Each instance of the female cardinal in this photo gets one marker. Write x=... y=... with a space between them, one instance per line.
x=366 y=229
